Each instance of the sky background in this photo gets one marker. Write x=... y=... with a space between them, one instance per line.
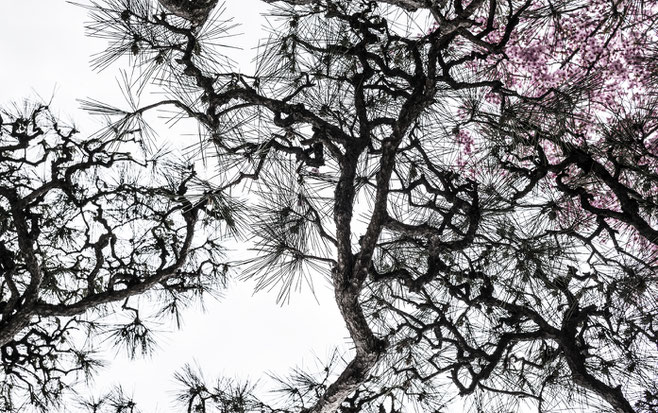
x=45 y=56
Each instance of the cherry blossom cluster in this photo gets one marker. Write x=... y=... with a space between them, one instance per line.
x=598 y=53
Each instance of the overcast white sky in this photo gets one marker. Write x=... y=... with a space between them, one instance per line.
x=44 y=52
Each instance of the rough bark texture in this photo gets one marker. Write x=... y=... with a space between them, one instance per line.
x=196 y=11
x=410 y=5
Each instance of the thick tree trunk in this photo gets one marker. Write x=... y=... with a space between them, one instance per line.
x=613 y=395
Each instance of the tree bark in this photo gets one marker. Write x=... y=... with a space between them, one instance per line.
x=196 y=11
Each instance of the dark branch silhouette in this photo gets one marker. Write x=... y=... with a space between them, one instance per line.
x=482 y=195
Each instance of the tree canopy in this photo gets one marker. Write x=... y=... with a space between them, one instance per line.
x=478 y=180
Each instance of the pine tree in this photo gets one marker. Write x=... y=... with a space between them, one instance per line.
x=477 y=178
